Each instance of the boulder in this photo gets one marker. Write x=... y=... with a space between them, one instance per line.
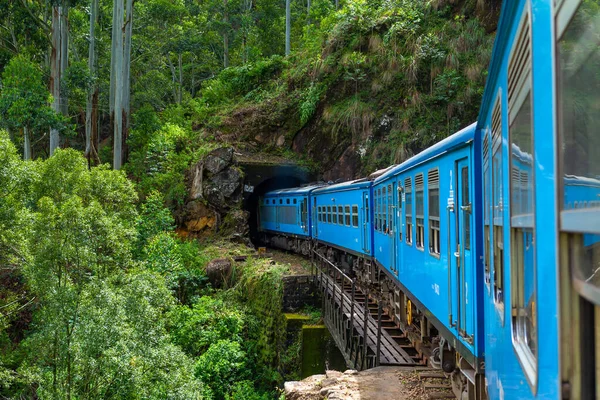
x=218 y=271
x=219 y=159
x=224 y=189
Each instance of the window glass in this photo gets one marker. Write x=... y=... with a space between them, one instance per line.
x=329 y=214
x=340 y=215
x=335 y=215
x=390 y=210
x=522 y=228
x=578 y=53
x=497 y=205
x=433 y=187
x=347 y=215
x=384 y=215
x=355 y=216
x=419 y=210
x=465 y=203
x=408 y=207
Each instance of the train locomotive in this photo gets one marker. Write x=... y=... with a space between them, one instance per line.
x=491 y=236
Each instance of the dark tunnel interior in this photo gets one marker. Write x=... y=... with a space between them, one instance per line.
x=251 y=202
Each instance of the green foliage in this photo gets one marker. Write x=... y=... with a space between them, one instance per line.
x=24 y=101
x=221 y=366
x=194 y=328
x=154 y=219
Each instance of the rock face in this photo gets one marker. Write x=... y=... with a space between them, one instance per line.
x=374 y=384
x=215 y=187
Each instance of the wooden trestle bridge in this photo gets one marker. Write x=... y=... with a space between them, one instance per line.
x=362 y=330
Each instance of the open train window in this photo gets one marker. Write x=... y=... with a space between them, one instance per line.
x=408 y=212
x=379 y=218
x=578 y=100
x=390 y=210
x=578 y=54
x=347 y=215
x=399 y=212
x=522 y=209
x=486 y=206
x=498 y=215
x=433 y=187
x=420 y=211
x=355 y=216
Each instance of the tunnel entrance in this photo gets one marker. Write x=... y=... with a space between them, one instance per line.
x=260 y=179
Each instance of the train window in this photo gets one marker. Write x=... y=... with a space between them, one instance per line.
x=578 y=54
x=355 y=216
x=498 y=232
x=390 y=202
x=329 y=214
x=347 y=215
x=319 y=216
x=486 y=205
x=466 y=206
x=340 y=215
x=294 y=201
x=420 y=210
x=379 y=219
x=433 y=187
x=280 y=201
x=522 y=210
x=334 y=218
x=399 y=214
x=376 y=209
x=288 y=201
x=408 y=212
x=384 y=216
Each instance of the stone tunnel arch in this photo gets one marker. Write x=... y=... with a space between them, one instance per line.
x=259 y=179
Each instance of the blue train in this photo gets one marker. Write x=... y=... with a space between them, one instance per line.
x=491 y=236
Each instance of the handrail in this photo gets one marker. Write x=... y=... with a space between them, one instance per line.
x=333 y=266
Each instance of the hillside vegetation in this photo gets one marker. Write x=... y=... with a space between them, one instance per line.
x=99 y=296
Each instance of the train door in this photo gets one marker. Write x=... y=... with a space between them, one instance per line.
x=465 y=286
x=366 y=233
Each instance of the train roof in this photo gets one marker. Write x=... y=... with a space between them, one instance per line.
x=459 y=138
x=343 y=186
x=293 y=191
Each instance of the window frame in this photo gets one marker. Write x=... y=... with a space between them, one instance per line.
x=347 y=216
x=408 y=220
x=420 y=245
x=522 y=91
x=355 y=219
x=432 y=219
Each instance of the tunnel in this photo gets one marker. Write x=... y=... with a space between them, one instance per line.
x=259 y=179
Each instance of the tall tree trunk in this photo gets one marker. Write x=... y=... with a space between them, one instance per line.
x=89 y=109
x=27 y=144
x=288 y=26
x=127 y=77
x=117 y=61
x=307 y=12
x=180 y=65
x=225 y=36
x=337 y=4
x=116 y=27
x=55 y=74
x=64 y=52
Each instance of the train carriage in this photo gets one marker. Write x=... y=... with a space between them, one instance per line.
x=285 y=218
x=343 y=216
x=427 y=239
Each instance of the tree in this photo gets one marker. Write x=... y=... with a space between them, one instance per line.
x=91 y=111
x=288 y=26
x=25 y=102
x=59 y=60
